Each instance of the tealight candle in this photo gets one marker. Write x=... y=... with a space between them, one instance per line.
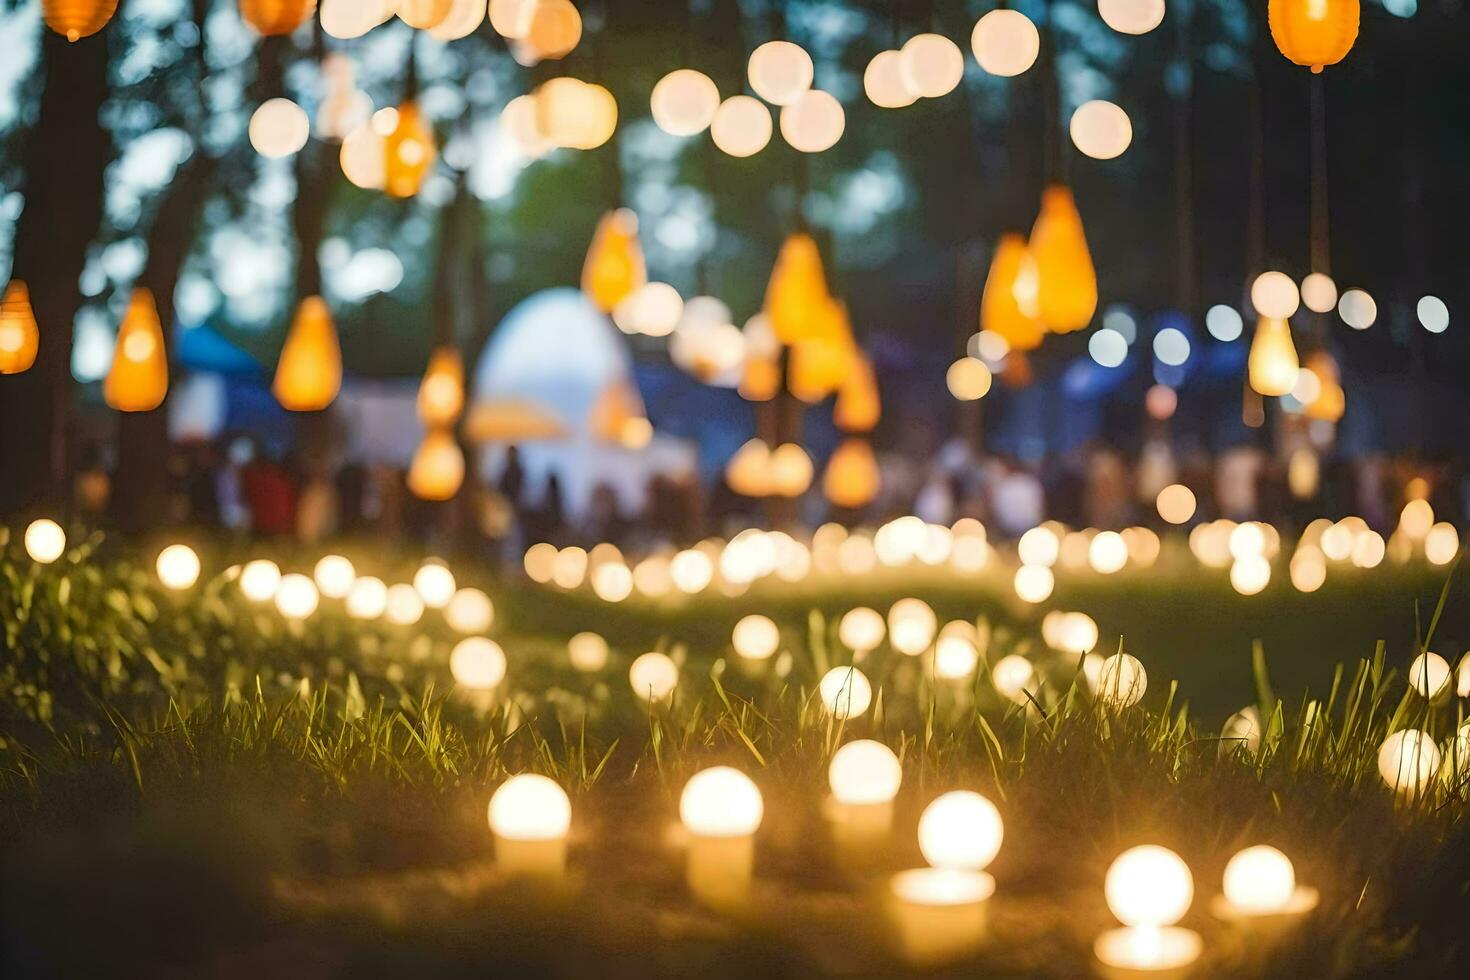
x=530 y=816
x=1260 y=882
x=721 y=809
x=1148 y=889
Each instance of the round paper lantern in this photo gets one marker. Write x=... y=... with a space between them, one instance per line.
x=742 y=126
x=614 y=269
x=852 y=478
x=1066 y=295
x=1314 y=33
x=463 y=19
x=1274 y=294
x=276 y=17
x=1357 y=309
x=1273 y=362
x=1005 y=42
x=684 y=102
x=138 y=380
x=813 y=122
x=1131 y=16
x=408 y=152
x=555 y=29
x=20 y=337
x=441 y=394
x=931 y=65
x=279 y=128
x=780 y=71
x=438 y=467
x=309 y=373
x=512 y=18
x=76 y=19
x=883 y=81
x=1101 y=129
x=1319 y=292
x=424 y=14
x=348 y=19
x=1008 y=307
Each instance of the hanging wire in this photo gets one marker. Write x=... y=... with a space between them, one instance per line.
x=1320 y=249
x=1187 y=270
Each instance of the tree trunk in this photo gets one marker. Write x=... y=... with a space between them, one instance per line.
x=68 y=154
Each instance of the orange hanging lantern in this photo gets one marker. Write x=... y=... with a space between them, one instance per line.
x=441 y=395
x=749 y=471
x=761 y=378
x=797 y=297
x=1331 y=400
x=138 y=380
x=1066 y=295
x=859 y=407
x=822 y=362
x=852 y=479
x=276 y=17
x=1314 y=33
x=424 y=14
x=1017 y=372
x=20 y=337
x=309 y=373
x=76 y=19
x=437 y=471
x=1008 y=305
x=1273 y=363
x=614 y=269
x=409 y=152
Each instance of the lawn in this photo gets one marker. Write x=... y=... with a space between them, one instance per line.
x=195 y=785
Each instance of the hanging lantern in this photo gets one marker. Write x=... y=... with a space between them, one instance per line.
x=821 y=362
x=276 y=17
x=438 y=467
x=138 y=380
x=749 y=471
x=791 y=470
x=441 y=395
x=761 y=379
x=1066 y=294
x=1273 y=363
x=1008 y=305
x=309 y=373
x=1331 y=400
x=408 y=152
x=852 y=478
x=76 y=19
x=859 y=406
x=797 y=297
x=424 y=14
x=20 y=337
x=1314 y=33
x=614 y=269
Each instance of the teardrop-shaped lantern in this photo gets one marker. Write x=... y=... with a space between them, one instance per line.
x=852 y=479
x=859 y=407
x=424 y=14
x=309 y=373
x=822 y=361
x=276 y=17
x=20 y=337
x=1331 y=400
x=1066 y=295
x=797 y=297
x=409 y=152
x=614 y=268
x=441 y=395
x=76 y=19
x=1314 y=33
x=138 y=380
x=437 y=470
x=749 y=471
x=1273 y=363
x=761 y=379
x=1008 y=305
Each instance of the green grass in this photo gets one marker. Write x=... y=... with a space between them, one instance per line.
x=190 y=785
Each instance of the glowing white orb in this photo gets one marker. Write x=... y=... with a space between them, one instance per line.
x=961 y=830
x=402 y=604
x=813 y=121
x=931 y=65
x=1176 y=503
x=692 y=571
x=1149 y=886
x=1108 y=347
x=1034 y=583
x=861 y=629
x=653 y=676
x=530 y=807
x=1012 y=676
x=178 y=566
x=1101 y=129
x=955 y=657
x=435 y=585
x=1107 y=553
x=477 y=663
x=1224 y=322
x=864 y=772
x=756 y=637
x=1429 y=675
x=45 y=541
x=721 y=802
x=1274 y=294
x=968 y=379
x=883 y=81
x=911 y=626
x=1319 y=292
x=1005 y=42
x=742 y=126
x=1408 y=760
x=845 y=692
x=470 y=611
x=348 y=19
x=368 y=598
x=1357 y=309
x=1122 y=681
x=780 y=72
x=260 y=579
x=1442 y=544
x=1131 y=16
x=1433 y=314
x=612 y=581
x=588 y=652
x=684 y=102
x=1039 y=546
x=1260 y=880
x=297 y=596
x=334 y=576
x=279 y=128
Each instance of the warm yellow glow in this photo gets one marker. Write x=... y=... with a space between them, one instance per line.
x=435 y=584
x=588 y=652
x=684 y=102
x=961 y=830
x=1176 y=504
x=441 y=393
x=1273 y=361
x=403 y=606
x=1260 y=880
x=1319 y=292
x=1313 y=33
x=791 y=470
x=1131 y=16
x=1442 y=544
x=76 y=19
x=1122 y=681
x=20 y=336
x=814 y=121
x=1067 y=282
x=1039 y=546
x=469 y=611
x=334 y=576
x=845 y=692
x=692 y=571
x=409 y=152
x=612 y=581
x=955 y=657
x=1417 y=519
x=477 y=663
x=554 y=30
x=1014 y=677
x=45 y=541
x=653 y=676
x=1408 y=761
x=864 y=773
x=362 y=158
x=1308 y=570
x=1149 y=886
x=309 y=373
x=297 y=596
x=861 y=629
x=1107 y=553
x=260 y=580
x=615 y=268
x=931 y=65
x=721 y=802
x=1034 y=583
x=348 y=19
x=780 y=72
x=968 y=379
x=437 y=470
x=279 y=128
x=1275 y=296
x=1101 y=129
x=540 y=562
x=756 y=637
x=884 y=84
x=368 y=598
x=530 y=807
x=852 y=478
x=463 y=19
x=1008 y=307
x=911 y=626
x=1429 y=675
x=276 y=17
x=742 y=126
x=797 y=294
x=178 y=566
x=138 y=380
x=1005 y=42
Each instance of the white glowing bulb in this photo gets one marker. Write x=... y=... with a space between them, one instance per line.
x=1408 y=760
x=1319 y=292
x=1176 y=503
x=756 y=637
x=1005 y=42
x=721 y=802
x=403 y=605
x=911 y=626
x=814 y=121
x=477 y=663
x=297 y=596
x=961 y=830
x=1107 y=553
x=863 y=773
x=884 y=83
x=1275 y=295
x=692 y=571
x=742 y=126
x=588 y=652
x=435 y=585
x=1250 y=574
x=845 y=692
x=1122 y=681
x=1039 y=546
x=931 y=65
x=780 y=71
x=334 y=576
x=612 y=581
x=684 y=102
x=1034 y=583
x=260 y=579
x=653 y=676
x=955 y=657
x=1441 y=544
x=1357 y=309
x=1012 y=675
x=1131 y=16
x=279 y=128
x=1260 y=880
x=861 y=629
x=178 y=566
x=45 y=541
x=530 y=807
x=1149 y=886
x=1429 y=675
x=470 y=611
x=1101 y=129
x=368 y=598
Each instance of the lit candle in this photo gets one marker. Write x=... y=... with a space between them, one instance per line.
x=1260 y=884
x=1148 y=889
x=530 y=816
x=721 y=809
